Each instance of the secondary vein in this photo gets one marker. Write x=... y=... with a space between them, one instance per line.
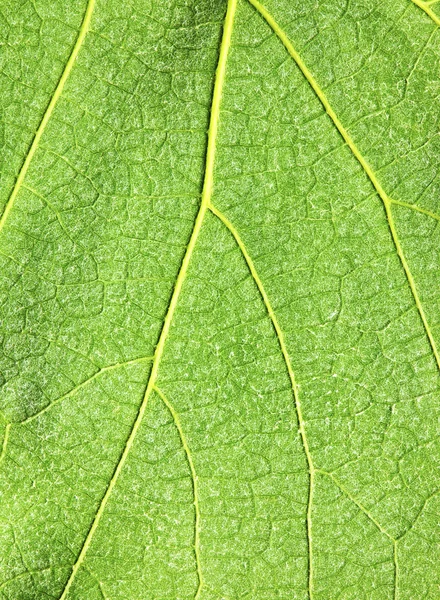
x=396 y=570
x=387 y=202
x=49 y=110
x=294 y=385
x=361 y=507
x=416 y=208
x=178 y=424
x=206 y=197
x=84 y=384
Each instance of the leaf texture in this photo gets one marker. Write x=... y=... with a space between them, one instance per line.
x=220 y=307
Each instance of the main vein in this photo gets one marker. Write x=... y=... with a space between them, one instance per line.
x=205 y=199
x=5 y=442
x=194 y=478
x=425 y=6
x=387 y=202
x=294 y=385
x=49 y=110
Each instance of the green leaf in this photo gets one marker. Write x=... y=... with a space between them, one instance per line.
x=220 y=315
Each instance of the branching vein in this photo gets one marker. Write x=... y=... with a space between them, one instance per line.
x=416 y=208
x=370 y=517
x=387 y=202
x=356 y=502
x=288 y=363
x=194 y=484
x=206 y=197
x=425 y=6
x=83 y=384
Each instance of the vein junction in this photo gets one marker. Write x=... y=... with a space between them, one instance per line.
x=206 y=197
x=387 y=201
x=426 y=7
x=204 y=207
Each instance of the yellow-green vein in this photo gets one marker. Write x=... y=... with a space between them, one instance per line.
x=206 y=197
x=416 y=208
x=387 y=202
x=396 y=571
x=288 y=363
x=49 y=110
x=83 y=384
x=356 y=502
x=425 y=6
x=194 y=484
x=362 y=508
x=5 y=442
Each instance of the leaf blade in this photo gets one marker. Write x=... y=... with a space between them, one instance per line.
x=299 y=274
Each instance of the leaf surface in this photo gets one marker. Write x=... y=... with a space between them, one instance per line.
x=220 y=315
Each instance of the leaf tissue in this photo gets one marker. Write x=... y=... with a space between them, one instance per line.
x=219 y=299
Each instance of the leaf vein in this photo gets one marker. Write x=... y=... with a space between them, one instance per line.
x=83 y=384
x=356 y=502
x=194 y=478
x=5 y=442
x=205 y=199
x=416 y=208
x=425 y=6
x=286 y=357
x=49 y=110
x=387 y=202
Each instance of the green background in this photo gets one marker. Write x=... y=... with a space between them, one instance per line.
x=233 y=480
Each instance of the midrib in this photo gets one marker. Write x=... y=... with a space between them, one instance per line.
x=204 y=206
x=426 y=7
